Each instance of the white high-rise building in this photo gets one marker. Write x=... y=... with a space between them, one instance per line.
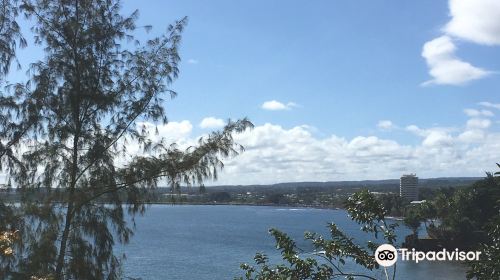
x=408 y=187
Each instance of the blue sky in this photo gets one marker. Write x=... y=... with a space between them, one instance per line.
x=354 y=85
x=355 y=60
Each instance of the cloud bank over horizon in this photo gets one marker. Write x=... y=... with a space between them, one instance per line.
x=277 y=154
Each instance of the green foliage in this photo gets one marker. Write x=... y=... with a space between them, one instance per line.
x=394 y=204
x=488 y=266
x=367 y=210
x=10 y=35
x=331 y=254
x=220 y=196
x=413 y=219
x=466 y=213
x=276 y=198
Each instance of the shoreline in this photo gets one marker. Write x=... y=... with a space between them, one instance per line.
x=246 y=204
x=399 y=219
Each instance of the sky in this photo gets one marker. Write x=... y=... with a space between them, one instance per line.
x=337 y=90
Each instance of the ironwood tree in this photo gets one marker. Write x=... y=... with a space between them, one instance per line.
x=65 y=133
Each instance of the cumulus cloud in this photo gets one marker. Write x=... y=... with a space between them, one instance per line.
x=472 y=135
x=171 y=131
x=475 y=130
x=490 y=105
x=478 y=113
x=277 y=154
x=475 y=20
x=274 y=105
x=211 y=122
x=386 y=125
x=478 y=123
x=424 y=132
x=437 y=138
x=274 y=153
x=416 y=130
x=445 y=67
x=433 y=137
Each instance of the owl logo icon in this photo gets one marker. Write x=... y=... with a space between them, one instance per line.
x=386 y=255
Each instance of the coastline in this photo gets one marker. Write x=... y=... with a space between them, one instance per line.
x=246 y=204
x=399 y=219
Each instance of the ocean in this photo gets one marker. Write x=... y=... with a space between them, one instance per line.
x=210 y=242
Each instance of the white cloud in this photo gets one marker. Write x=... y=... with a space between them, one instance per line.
x=475 y=128
x=277 y=154
x=425 y=132
x=437 y=138
x=471 y=136
x=478 y=123
x=478 y=113
x=416 y=130
x=171 y=131
x=475 y=20
x=433 y=137
x=386 y=125
x=490 y=105
x=445 y=67
x=211 y=122
x=192 y=61
x=274 y=105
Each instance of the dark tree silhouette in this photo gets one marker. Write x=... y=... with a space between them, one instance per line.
x=10 y=35
x=488 y=266
x=66 y=130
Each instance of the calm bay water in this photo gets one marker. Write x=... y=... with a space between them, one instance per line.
x=210 y=242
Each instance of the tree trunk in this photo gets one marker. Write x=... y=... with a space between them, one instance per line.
x=64 y=241
x=69 y=212
x=74 y=170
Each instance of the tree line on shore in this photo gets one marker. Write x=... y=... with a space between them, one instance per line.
x=469 y=219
